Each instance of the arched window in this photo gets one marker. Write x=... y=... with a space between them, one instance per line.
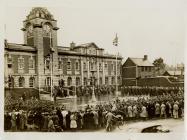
x=21 y=81
x=10 y=81
x=69 y=81
x=31 y=82
x=77 y=81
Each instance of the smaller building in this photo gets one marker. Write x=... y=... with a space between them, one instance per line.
x=136 y=68
x=178 y=74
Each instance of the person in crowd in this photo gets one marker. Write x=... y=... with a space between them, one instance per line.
x=73 y=123
x=134 y=111
x=143 y=114
x=60 y=117
x=157 y=109
x=130 y=111
x=51 y=127
x=7 y=121
x=163 y=110
x=95 y=116
x=13 y=120
x=109 y=117
x=68 y=121
x=175 y=110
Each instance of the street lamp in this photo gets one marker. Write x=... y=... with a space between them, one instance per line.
x=93 y=99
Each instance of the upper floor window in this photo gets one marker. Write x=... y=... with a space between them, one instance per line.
x=106 y=65
x=21 y=63
x=47 y=63
x=31 y=63
x=112 y=67
x=84 y=65
x=150 y=69
x=77 y=65
x=100 y=66
x=59 y=64
x=91 y=65
x=142 y=68
x=68 y=65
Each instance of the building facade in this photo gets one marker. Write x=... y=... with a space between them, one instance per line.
x=33 y=63
x=136 y=68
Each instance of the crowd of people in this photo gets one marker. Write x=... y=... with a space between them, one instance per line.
x=93 y=117
x=85 y=90
x=152 y=91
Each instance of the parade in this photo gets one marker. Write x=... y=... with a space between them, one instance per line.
x=48 y=116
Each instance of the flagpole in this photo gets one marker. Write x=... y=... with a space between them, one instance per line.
x=116 y=75
x=115 y=43
x=51 y=57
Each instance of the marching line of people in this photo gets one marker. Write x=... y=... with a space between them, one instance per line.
x=59 y=119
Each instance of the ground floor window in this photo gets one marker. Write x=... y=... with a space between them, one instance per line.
x=48 y=81
x=21 y=81
x=31 y=82
x=85 y=81
x=10 y=81
x=69 y=81
x=113 y=81
x=77 y=81
x=106 y=80
x=100 y=80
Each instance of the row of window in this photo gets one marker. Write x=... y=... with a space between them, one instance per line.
x=21 y=82
x=21 y=62
x=147 y=69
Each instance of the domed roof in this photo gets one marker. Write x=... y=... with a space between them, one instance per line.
x=40 y=12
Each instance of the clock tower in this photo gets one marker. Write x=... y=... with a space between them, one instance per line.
x=40 y=31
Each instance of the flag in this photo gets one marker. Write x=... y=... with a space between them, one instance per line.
x=115 y=41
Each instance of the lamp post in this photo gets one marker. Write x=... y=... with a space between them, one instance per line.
x=93 y=99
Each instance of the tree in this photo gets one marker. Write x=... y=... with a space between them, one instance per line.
x=159 y=66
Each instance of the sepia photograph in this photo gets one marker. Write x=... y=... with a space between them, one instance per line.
x=95 y=66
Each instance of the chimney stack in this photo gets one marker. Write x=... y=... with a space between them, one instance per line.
x=145 y=57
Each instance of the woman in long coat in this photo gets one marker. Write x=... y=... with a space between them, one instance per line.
x=129 y=110
x=157 y=109
x=143 y=114
x=13 y=121
x=175 y=110
x=73 y=123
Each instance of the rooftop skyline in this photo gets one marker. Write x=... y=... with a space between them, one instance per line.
x=154 y=28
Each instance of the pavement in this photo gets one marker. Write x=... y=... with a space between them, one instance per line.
x=174 y=125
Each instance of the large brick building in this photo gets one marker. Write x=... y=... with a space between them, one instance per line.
x=27 y=65
x=136 y=68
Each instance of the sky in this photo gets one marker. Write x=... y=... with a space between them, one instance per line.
x=144 y=27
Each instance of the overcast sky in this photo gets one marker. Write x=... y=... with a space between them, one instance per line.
x=152 y=27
